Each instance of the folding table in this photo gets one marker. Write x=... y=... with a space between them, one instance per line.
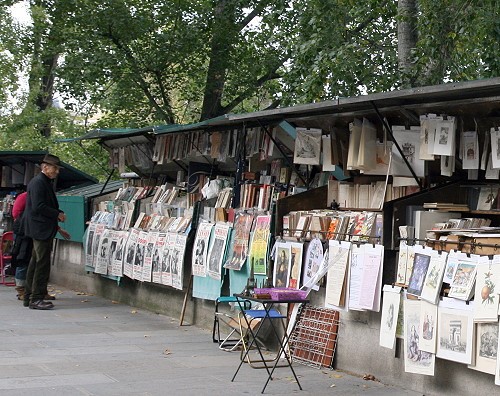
x=269 y=313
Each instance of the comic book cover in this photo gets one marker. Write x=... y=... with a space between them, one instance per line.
x=237 y=256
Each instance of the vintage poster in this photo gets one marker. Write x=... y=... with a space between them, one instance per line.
x=259 y=245
x=389 y=318
x=200 y=249
x=402 y=261
x=168 y=248
x=128 y=260
x=470 y=153
x=217 y=250
x=177 y=261
x=102 y=258
x=157 y=257
x=455 y=331
x=486 y=349
x=336 y=292
x=312 y=262
x=88 y=245
x=427 y=330
x=416 y=360
x=297 y=250
x=307 y=146
x=147 y=268
x=282 y=264
x=140 y=250
x=238 y=255
x=444 y=140
x=113 y=240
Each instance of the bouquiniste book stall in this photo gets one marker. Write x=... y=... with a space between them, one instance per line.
x=353 y=203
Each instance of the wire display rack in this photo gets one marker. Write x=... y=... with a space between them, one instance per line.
x=314 y=339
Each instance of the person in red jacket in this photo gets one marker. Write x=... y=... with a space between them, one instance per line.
x=23 y=245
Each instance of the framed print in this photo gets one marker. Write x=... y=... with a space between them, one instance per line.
x=486 y=347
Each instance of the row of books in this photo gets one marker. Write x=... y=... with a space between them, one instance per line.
x=259 y=196
x=365 y=196
x=336 y=225
x=156 y=222
x=133 y=193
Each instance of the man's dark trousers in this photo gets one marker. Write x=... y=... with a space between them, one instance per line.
x=38 y=270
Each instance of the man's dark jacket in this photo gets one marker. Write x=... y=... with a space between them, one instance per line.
x=42 y=209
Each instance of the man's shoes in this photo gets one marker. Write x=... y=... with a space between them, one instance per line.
x=41 y=304
x=26 y=303
x=49 y=297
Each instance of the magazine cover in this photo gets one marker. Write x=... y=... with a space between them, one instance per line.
x=177 y=261
x=313 y=258
x=102 y=258
x=128 y=259
x=166 y=274
x=147 y=268
x=237 y=256
x=200 y=249
x=117 y=261
x=157 y=257
x=88 y=245
x=217 y=249
x=99 y=229
x=140 y=250
x=259 y=245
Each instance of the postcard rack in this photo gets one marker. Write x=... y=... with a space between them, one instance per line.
x=314 y=339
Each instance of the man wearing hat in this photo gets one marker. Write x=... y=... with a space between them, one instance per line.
x=40 y=220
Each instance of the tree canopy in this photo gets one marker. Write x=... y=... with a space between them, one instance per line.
x=130 y=63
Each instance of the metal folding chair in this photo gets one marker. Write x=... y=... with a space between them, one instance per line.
x=232 y=340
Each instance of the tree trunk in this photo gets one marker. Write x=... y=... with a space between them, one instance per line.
x=407 y=38
x=223 y=34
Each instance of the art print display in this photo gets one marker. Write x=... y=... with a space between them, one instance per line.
x=416 y=360
x=495 y=147
x=371 y=281
x=217 y=250
x=486 y=290
x=455 y=331
x=461 y=287
x=129 y=254
x=307 y=146
x=444 y=141
x=434 y=277
x=282 y=264
x=297 y=250
x=451 y=266
x=409 y=141
x=113 y=241
x=259 y=245
x=140 y=251
x=238 y=254
x=427 y=132
x=102 y=259
x=177 y=261
x=470 y=150
x=421 y=260
x=200 y=249
x=355 y=276
x=336 y=292
x=147 y=268
x=117 y=260
x=427 y=330
x=312 y=262
x=157 y=257
x=389 y=317
x=486 y=348
x=402 y=263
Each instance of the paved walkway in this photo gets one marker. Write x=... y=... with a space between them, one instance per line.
x=88 y=345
